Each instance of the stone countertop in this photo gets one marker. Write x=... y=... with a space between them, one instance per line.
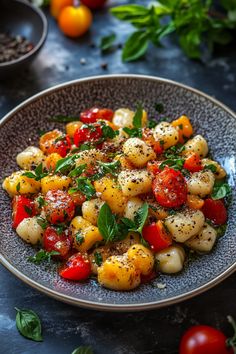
x=66 y=327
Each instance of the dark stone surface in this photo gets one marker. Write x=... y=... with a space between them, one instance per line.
x=66 y=327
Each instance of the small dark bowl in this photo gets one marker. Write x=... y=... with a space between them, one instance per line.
x=21 y=18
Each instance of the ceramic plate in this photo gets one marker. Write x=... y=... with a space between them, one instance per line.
x=210 y=118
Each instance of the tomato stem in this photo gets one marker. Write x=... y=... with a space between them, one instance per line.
x=231 y=342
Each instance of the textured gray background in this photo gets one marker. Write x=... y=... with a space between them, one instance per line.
x=66 y=327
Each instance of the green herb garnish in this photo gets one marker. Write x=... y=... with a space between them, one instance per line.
x=66 y=164
x=98 y=258
x=84 y=186
x=79 y=238
x=18 y=187
x=29 y=325
x=83 y=350
x=211 y=168
x=42 y=256
x=28 y=210
x=77 y=171
x=42 y=222
x=133 y=132
x=107 y=42
x=37 y=174
x=221 y=190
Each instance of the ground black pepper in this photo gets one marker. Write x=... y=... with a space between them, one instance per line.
x=13 y=47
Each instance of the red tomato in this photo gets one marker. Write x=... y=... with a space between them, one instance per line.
x=89 y=132
x=22 y=208
x=153 y=167
x=203 y=340
x=52 y=241
x=94 y=4
x=59 y=206
x=156 y=235
x=193 y=163
x=215 y=210
x=60 y=146
x=93 y=114
x=170 y=188
x=76 y=268
x=149 y=139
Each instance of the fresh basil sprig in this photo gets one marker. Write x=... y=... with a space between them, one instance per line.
x=221 y=190
x=66 y=164
x=83 y=350
x=37 y=174
x=199 y=25
x=140 y=218
x=133 y=132
x=42 y=256
x=64 y=119
x=77 y=171
x=84 y=186
x=109 y=167
x=29 y=325
x=210 y=167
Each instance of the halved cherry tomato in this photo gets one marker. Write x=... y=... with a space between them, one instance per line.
x=149 y=139
x=52 y=241
x=194 y=202
x=215 y=210
x=22 y=208
x=93 y=114
x=94 y=4
x=170 y=188
x=203 y=340
x=193 y=163
x=55 y=142
x=88 y=132
x=78 y=198
x=154 y=166
x=184 y=127
x=74 y=21
x=59 y=206
x=157 y=236
x=76 y=268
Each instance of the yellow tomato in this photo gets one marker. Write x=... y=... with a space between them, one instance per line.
x=57 y=5
x=75 y=21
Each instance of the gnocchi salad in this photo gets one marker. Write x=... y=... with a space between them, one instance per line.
x=118 y=196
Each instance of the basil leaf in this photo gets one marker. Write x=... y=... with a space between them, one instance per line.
x=28 y=210
x=18 y=187
x=159 y=107
x=141 y=217
x=63 y=119
x=137 y=119
x=108 y=132
x=98 y=258
x=38 y=173
x=133 y=132
x=42 y=222
x=151 y=123
x=109 y=167
x=136 y=46
x=85 y=186
x=175 y=163
x=83 y=350
x=42 y=256
x=28 y=324
x=129 y=12
x=221 y=190
x=220 y=230
x=79 y=238
x=66 y=164
x=107 y=223
x=107 y=42
x=77 y=171
x=129 y=223
x=211 y=168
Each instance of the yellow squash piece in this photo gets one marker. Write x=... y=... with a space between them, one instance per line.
x=55 y=182
x=19 y=184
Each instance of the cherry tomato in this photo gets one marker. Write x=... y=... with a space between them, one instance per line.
x=52 y=241
x=193 y=163
x=154 y=167
x=22 y=208
x=94 y=4
x=215 y=210
x=75 y=21
x=55 y=142
x=59 y=206
x=169 y=188
x=147 y=136
x=57 y=5
x=93 y=114
x=76 y=268
x=157 y=236
x=89 y=132
x=203 y=340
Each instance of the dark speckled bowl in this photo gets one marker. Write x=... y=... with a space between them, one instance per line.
x=210 y=118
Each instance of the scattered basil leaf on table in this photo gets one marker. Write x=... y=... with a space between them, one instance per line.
x=29 y=325
x=64 y=119
x=221 y=190
x=107 y=42
x=83 y=350
x=136 y=46
x=42 y=256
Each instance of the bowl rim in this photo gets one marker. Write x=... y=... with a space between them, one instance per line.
x=109 y=306
x=39 y=44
